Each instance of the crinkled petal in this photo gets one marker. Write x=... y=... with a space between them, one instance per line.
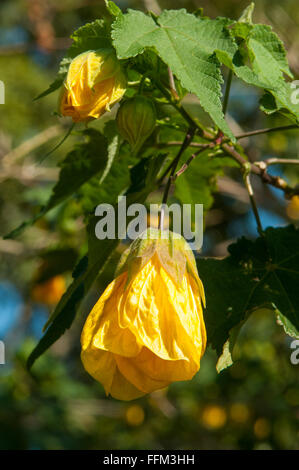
x=149 y=372
x=159 y=314
x=101 y=365
x=101 y=329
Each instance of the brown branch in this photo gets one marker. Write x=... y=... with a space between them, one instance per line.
x=279 y=161
x=261 y=171
x=267 y=131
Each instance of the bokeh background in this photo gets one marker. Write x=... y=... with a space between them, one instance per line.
x=252 y=405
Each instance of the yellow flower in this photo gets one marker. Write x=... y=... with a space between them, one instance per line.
x=94 y=83
x=147 y=328
x=50 y=291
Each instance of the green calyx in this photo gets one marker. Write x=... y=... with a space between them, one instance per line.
x=136 y=120
x=174 y=253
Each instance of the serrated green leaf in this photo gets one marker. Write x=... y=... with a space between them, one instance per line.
x=285 y=102
x=267 y=53
x=113 y=9
x=269 y=62
x=246 y=16
x=260 y=273
x=91 y=36
x=186 y=44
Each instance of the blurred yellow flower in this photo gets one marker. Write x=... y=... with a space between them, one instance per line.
x=94 y=83
x=239 y=412
x=135 y=415
x=50 y=291
x=214 y=416
x=293 y=208
x=147 y=328
x=262 y=428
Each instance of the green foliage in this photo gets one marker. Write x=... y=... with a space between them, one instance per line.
x=165 y=57
x=91 y=266
x=79 y=166
x=199 y=181
x=113 y=8
x=190 y=56
x=260 y=273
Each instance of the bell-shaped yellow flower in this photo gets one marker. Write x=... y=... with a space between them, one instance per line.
x=94 y=83
x=147 y=329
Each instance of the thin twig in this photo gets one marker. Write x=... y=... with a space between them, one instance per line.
x=280 y=161
x=172 y=86
x=177 y=143
x=267 y=131
x=188 y=162
x=184 y=113
x=185 y=144
x=252 y=200
x=260 y=170
x=34 y=142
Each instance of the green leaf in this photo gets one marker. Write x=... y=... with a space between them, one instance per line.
x=54 y=262
x=269 y=64
x=246 y=16
x=99 y=252
x=267 y=54
x=113 y=9
x=283 y=97
x=91 y=36
x=257 y=274
x=226 y=358
x=88 y=159
x=186 y=44
x=62 y=71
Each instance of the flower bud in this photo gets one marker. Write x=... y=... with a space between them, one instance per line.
x=94 y=83
x=136 y=120
x=147 y=329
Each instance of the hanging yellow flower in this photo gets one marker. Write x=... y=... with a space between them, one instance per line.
x=94 y=83
x=147 y=328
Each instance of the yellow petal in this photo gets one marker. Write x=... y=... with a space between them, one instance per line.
x=149 y=372
x=101 y=365
x=101 y=329
x=160 y=316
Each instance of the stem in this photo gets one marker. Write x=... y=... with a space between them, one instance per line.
x=173 y=90
x=266 y=131
x=227 y=91
x=259 y=168
x=174 y=143
x=185 y=144
x=188 y=162
x=31 y=144
x=178 y=106
x=252 y=201
x=281 y=161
